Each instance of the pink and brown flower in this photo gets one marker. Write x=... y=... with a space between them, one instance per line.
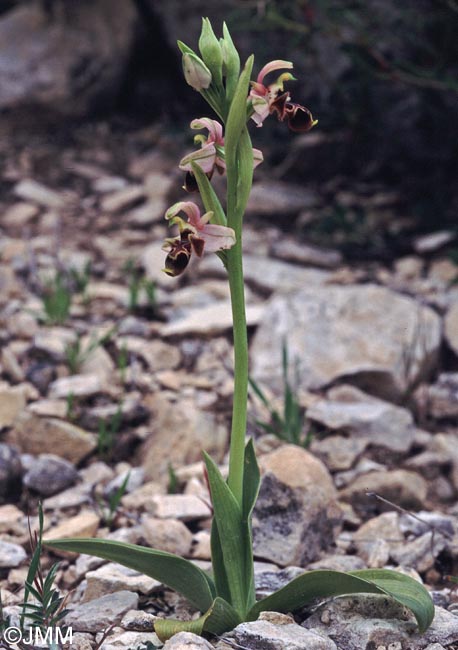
x=196 y=235
x=272 y=98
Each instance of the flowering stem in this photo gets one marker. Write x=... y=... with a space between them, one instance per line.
x=239 y=180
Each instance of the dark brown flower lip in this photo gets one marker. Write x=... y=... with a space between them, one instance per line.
x=299 y=118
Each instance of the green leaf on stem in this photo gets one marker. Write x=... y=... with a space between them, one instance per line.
x=322 y=584
x=237 y=114
x=177 y=573
x=245 y=171
x=208 y=194
x=220 y=617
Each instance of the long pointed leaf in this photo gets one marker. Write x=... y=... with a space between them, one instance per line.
x=228 y=517
x=174 y=571
x=322 y=584
x=209 y=197
x=251 y=483
x=405 y=590
x=219 y=570
x=220 y=617
x=236 y=119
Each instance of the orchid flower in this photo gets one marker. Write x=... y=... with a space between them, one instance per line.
x=196 y=235
x=273 y=98
x=211 y=154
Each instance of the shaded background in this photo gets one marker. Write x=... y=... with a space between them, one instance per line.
x=380 y=75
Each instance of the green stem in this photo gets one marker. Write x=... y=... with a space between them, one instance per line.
x=239 y=409
x=239 y=179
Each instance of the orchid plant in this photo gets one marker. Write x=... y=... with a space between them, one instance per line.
x=226 y=596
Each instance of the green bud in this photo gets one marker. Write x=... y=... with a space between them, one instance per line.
x=210 y=50
x=231 y=62
x=196 y=72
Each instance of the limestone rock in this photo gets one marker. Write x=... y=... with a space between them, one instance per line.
x=130 y=640
x=77 y=385
x=83 y=525
x=376 y=537
x=451 y=327
x=185 y=507
x=167 y=535
x=358 y=622
x=50 y=474
x=378 y=422
x=67 y=62
x=344 y=331
x=179 y=433
x=296 y=514
x=11 y=555
x=405 y=488
x=187 y=641
x=280 y=632
x=96 y=615
x=210 y=320
x=35 y=435
x=12 y=403
x=442 y=396
x=111 y=578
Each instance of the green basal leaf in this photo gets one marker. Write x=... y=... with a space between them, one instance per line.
x=221 y=617
x=322 y=584
x=219 y=570
x=405 y=590
x=251 y=483
x=208 y=194
x=228 y=517
x=177 y=573
x=251 y=480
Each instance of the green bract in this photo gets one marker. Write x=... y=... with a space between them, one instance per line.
x=226 y=597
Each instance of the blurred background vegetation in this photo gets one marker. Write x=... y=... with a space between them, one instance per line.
x=380 y=75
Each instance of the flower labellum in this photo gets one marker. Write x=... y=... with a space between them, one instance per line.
x=196 y=72
x=196 y=235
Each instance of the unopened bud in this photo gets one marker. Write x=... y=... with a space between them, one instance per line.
x=210 y=50
x=196 y=72
x=231 y=62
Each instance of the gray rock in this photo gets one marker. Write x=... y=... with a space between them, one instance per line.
x=130 y=640
x=421 y=553
x=274 y=198
x=358 y=622
x=111 y=578
x=296 y=515
x=98 y=614
x=12 y=402
x=451 y=327
x=362 y=416
x=35 y=435
x=279 y=632
x=10 y=470
x=68 y=62
x=338 y=453
x=376 y=538
x=442 y=396
x=11 y=555
x=135 y=481
x=433 y=241
x=343 y=331
x=406 y=489
x=50 y=474
x=290 y=250
x=194 y=430
x=267 y=275
x=268 y=581
x=187 y=641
